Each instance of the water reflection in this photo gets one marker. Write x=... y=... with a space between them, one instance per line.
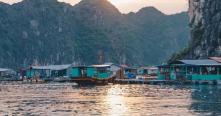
x=112 y=100
x=206 y=100
x=115 y=101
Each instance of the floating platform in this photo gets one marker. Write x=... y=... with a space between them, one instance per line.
x=139 y=81
x=164 y=82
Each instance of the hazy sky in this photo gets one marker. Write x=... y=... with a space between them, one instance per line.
x=125 y=6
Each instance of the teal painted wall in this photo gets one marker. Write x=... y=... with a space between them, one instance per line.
x=75 y=72
x=193 y=77
x=163 y=76
x=91 y=72
x=30 y=73
x=104 y=75
x=206 y=77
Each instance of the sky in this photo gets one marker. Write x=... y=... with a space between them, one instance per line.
x=126 y=6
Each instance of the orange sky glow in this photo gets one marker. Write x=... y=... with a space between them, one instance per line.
x=126 y=6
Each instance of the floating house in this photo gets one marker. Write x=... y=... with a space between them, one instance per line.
x=50 y=71
x=95 y=71
x=5 y=72
x=81 y=71
x=94 y=74
x=147 y=72
x=191 y=70
x=151 y=70
x=114 y=68
x=130 y=72
x=105 y=70
x=126 y=72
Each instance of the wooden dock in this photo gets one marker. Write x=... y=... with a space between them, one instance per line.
x=164 y=82
x=140 y=81
x=95 y=81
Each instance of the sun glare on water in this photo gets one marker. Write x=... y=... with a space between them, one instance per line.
x=115 y=102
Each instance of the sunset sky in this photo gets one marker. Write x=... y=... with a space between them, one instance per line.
x=125 y=6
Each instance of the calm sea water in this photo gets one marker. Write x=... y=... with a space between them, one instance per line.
x=66 y=99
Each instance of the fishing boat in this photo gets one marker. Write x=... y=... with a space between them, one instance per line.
x=95 y=74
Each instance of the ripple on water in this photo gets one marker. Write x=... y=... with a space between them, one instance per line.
x=67 y=99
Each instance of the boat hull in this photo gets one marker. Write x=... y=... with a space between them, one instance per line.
x=90 y=81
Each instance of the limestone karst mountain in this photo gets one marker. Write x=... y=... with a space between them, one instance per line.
x=51 y=32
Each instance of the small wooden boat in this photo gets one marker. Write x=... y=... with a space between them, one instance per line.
x=90 y=81
x=92 y=75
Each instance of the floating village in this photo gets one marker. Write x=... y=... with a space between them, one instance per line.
x=203 y=71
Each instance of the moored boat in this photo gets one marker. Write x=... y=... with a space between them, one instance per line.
x=95 y=74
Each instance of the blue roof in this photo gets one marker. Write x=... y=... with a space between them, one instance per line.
x=205 y=62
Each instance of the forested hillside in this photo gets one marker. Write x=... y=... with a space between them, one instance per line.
x=93 y=31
